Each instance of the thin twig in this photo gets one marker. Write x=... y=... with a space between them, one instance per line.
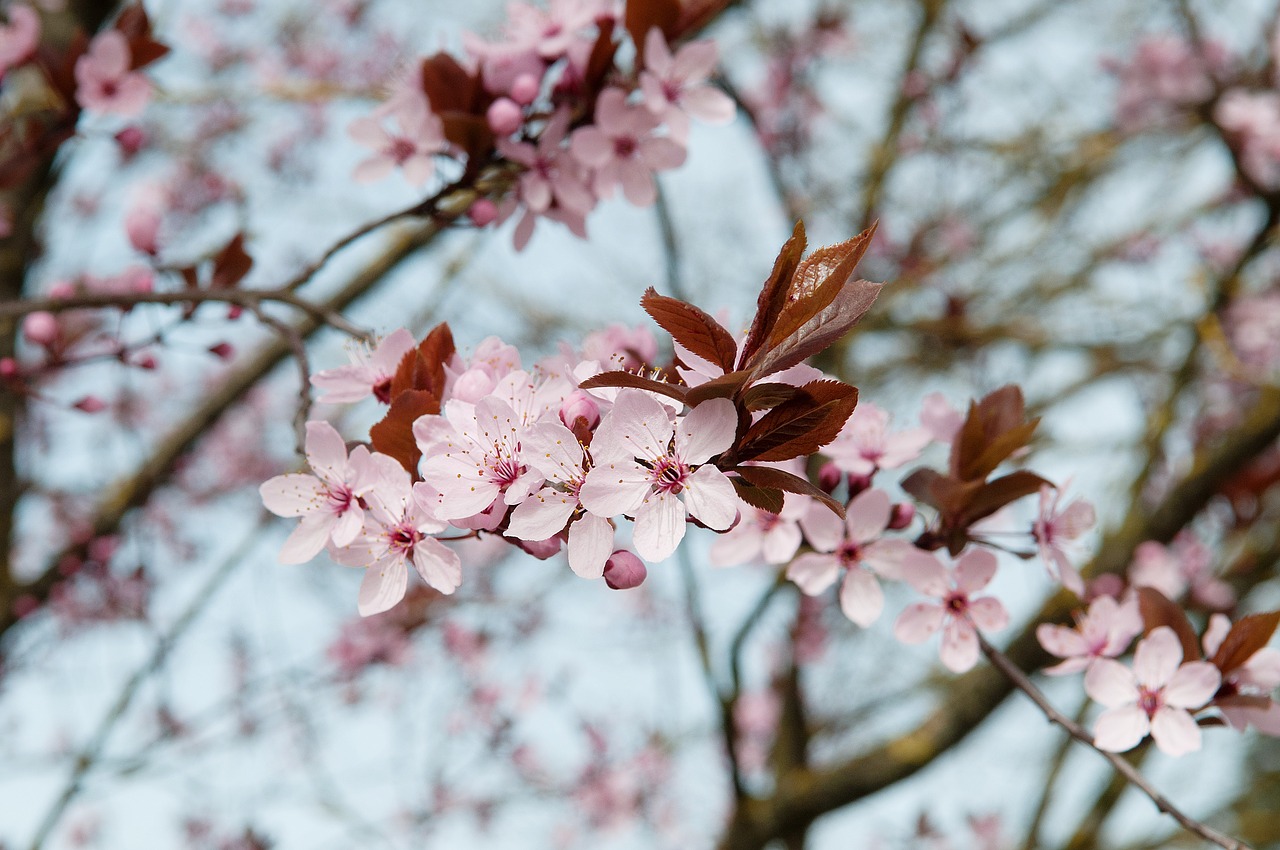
x=1023 y=683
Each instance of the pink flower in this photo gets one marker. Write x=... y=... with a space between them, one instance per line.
x=675 y=87
x=553 y=178
x=1252 y=120
x=18 y=38
x=1153 y=697
x=864 y=444
x=623 y=150
x=959 y=611
x=555 y=452
x=370 y=372
x=856 y=548
x=472 y=379
x=1165 y=76
x=329 y=501
x=1245 y=695
x=395 y=531
x=940 y=419
x=763 y=535
x=1104 y=632
x=1185 y=566
x=648 y=467
x=143 y=219
x=413 y=149
x=551 y=32
x=1055 y=531
x=104 y=82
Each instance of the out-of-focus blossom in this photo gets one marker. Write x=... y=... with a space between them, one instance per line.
x=1244 y=697
x=1184 y=567
x=1165 y=77
x=104 y=83
x=553 y=179
x=623 y=150
x=763 y=535
x=940 y=418
x=957 y=611
x=1251 y=120
x=18 y=37
x=1105 y=631
x=865 y=443
x=412 y=148
x=1253 y=323
x=1057 y=531
x=676 y=88
x=370 y=372
x=1155 y=697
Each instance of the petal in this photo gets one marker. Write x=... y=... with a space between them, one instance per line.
x=1061 y=641
x=711 y=498
x=886 y=557
x=637 y=184
x=975 y=569
x=1192 y=685
x=959 y=650
x=781 y=543
x=813 y=572
x=1120 y=729
x=391 y=350
x=1110 y=683
x=383 y=586
x=542 y=515
x=707 y=431
x=659 y=527
x=823 y=528
x=868 y=515
x=988 y=614
x=657 y=56
x=294 y=494
x=709 y=105
x=326 y=451
x=918 y=621
x=661 y=154
x=1157 y=657
x=348 y=526
x=925 y=573
x=1175 y=732
x=590 y=545
x=637 y=427
x=591 y=147
x=615 y=489
x=438 y=565
x=861 y=599
x=306 y=541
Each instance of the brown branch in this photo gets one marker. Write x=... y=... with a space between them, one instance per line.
x=1131 y=774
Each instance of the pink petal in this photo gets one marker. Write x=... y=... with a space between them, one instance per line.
x=657 y=55
x=711 y=498
x=613 y=489
x=886 y=557
x=975 y=569
x=383 y=586
x=326 y=451
x=925 y=573
x=1219 y=627
x=1192 y=685
x=988 y=614
x=1110 y=683
x=823 y=528
x=438 y=565
x=1061 y=641
x=813 y=573
x=591 y=146
x=1175 y=732
x=590 y=544
x=637 y=426
x=660 y=526
x=696 y=60
x=781 y=543
x=959 y=650
x=1157 y=657
x=868 y=515
x=294 y=494
x=709 y=105
x=861 y=599
x=306 y=541
x=918 y=621
x=1120 y=729
x=637 y=183
x=707 y=431
x=348 y=526
x=542 y=515
x=660 y=154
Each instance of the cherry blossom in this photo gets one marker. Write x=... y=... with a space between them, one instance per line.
x=552 y=31
x=1244 y=697
x=763 y=535
x=854 y=547
x=19 y=37
x=555 y=452
x=1252 y=120
x=1105 y=631
x=864 y=444
x=648 y=467
x=1153 y=698
x=553 y=178
x=329 y=501
x=1186 y=566
x=104 y=83
x=412 y=149
x=622 y=149
x=474 y=378
x=1056 y=530
x=369 y=373
x=940 y=418
x=959 y=612
x=675 y=87
x=1165 y=75
x=396 y=530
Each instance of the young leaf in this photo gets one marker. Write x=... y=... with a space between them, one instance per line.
x=765 y=498
x=423 y=367
x=819 y=332
x=1158 y=611
x=692 y=328
x=619 y=378
x=773 y=296
x=394 y=434
x=231 y=264
x=800 y=426
x=725 y=386
x=818 y=279
x=994 y=495
x=768 y=477
x=1246 y=637
x=990 y=433
x=644 y=15
x=768 y=395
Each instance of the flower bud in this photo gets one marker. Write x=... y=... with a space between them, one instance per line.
x=858 y=483
x=505 y=116
x=525 y=89
x=90 y=404
x=223 y=350
x=902 y=515
x=624 y=570
x=62 y=290
x=8 y=367
x=131 y=140
x=829 y=477
x=144 y=361
x=483 y=212
x=234 y=312
x=472 y=385
x=580 y=405
x=40 y=328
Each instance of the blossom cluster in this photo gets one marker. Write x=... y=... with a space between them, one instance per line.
x=548 y=100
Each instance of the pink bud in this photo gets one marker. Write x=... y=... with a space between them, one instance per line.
x=483 y=212
x=473 y=385
x=1107 y=584
x=8 y=367
x=624 y=570
x=858 y=483
x=145 y=361
x=525 y=89
x=222 y=350
x=90 y=404
x=580 y=405
x=62 y=290
x=234 y=312
x=505 y=116
x=131 y=140
x=829 y=477
x=902 y=515
x=41 y=328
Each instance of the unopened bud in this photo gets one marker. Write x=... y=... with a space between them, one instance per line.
x=525 y=89
x=505 y=116
x=902 y=515
x=223 y=350
x=829 y=477
x=90 y=404
x=25 y=605
x=580 y=405
x=144 y=361
x=62 y=290
x=131 y=140
x=234 y=312
x=41 y=328
x=624 y=570
x=858 y=483
x=483 y=212
x=8 y=367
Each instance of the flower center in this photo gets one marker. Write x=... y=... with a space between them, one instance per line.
x=669 y=475
x=504 y=470
x=1149 y=701
x=625 y=147
x=382 y=390
x=849 y=553
x=400 y=149
x=957 y=603
x=340 y=498
x=402 y=538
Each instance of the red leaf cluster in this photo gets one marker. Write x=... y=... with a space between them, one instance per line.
x=416 y=390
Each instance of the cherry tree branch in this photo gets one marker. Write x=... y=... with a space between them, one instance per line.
x=1135 y=778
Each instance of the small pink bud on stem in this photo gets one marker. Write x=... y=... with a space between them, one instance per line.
x=624 y=570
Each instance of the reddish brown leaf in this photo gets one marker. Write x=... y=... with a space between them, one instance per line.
x=1246 y=637
x=824 y=328
x=231 y=264
x=1158 y=611
x=394 y=434
x=725 y=386
x=768 y=395
x=818 y=279
x=449 y=87
x=774 y=295
x=644 y=15
x=765 y=498
x=469 y=132
x=994 y=495
x=618 y=378
x=692 y=328
x=132 y=22
x=600 y=62
x=800 y=426
x=423 y=367
x=768 y=477
x=990 y=433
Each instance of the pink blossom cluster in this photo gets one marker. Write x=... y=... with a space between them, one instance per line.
x=1250 y=120
x=574 y=138
x=1164 y=79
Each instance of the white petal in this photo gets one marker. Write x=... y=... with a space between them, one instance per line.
x=975 y=569
x=813 y=572
x=918 y=621
x=711 y=498
x=438 y=565
x=659 y=528
x=1157 y=657
x=383 y=586
x=1120 y=729
x=1175 y=732
x=925 y=573
x=306 y=541
x=542 y=515
x=959 y=650
x=590 y=544
x=988 y=614
x=707 y=431
x=868 y=515
x=1110 y=683
x=861 y=599
x=1193 y=685
x=614 y=489
x=294 y=494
